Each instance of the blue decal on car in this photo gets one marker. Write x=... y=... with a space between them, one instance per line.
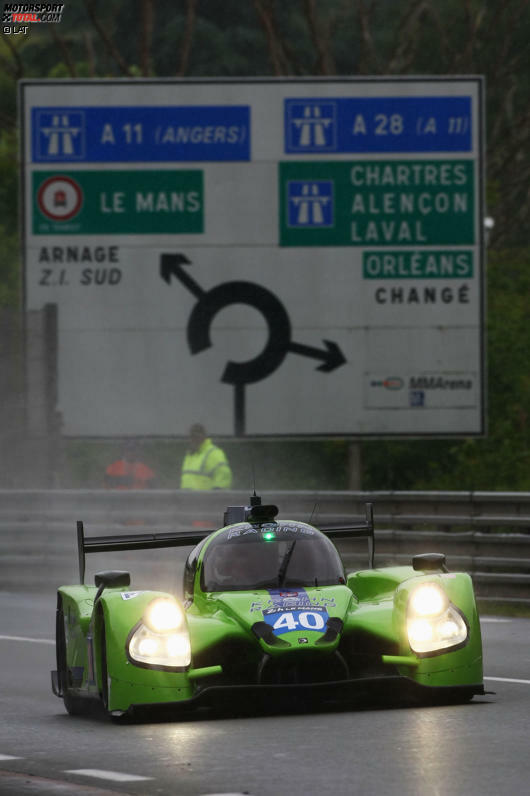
x=292 y=610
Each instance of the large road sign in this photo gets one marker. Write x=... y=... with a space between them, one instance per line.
x=272 y=258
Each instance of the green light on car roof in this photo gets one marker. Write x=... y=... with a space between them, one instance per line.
x=269 y=535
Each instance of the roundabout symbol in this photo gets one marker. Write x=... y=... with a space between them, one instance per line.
x=278 y=344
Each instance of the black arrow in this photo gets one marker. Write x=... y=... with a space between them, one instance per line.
x=332 y=356
x=171 y=265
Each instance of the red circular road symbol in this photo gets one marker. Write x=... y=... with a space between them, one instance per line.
x=60 y=198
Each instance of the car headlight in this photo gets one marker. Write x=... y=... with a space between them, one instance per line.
x=161 y=639
x=428 y=600
x=164 y=615
x=433 y=623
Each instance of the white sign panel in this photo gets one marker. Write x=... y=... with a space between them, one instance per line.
x=270 y=258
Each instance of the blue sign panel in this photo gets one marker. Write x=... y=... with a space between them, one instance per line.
x=310 y=203
x=141 y=134
x=378 y=124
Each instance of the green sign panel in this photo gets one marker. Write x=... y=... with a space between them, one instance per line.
x=377 y=203
x=118 y=202
x=418 y=264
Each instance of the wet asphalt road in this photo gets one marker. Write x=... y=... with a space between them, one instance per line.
x=477 y=748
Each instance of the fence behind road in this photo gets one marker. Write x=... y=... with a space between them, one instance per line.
x=484 y=533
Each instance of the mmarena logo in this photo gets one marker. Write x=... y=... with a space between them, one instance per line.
x=18 y=13
x=390 y=383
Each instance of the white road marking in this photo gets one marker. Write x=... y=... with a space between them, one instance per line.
x=493 y=619
x=25 y=638
x=10 y=757
x=115 y=776
x=508 y=680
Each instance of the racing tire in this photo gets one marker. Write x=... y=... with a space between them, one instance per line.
x=75 y=705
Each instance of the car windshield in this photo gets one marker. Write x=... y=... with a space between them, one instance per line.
x=269 y=556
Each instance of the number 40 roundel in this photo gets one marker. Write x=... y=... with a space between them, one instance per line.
x=287 y=621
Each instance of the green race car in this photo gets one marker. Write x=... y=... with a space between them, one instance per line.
x=269 y=616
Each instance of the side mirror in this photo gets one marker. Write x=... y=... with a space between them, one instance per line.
x=429 y=562
x=112 y=577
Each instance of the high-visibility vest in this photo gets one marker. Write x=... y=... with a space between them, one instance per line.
x=206 y=468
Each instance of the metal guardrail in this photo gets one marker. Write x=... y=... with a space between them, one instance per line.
x=484 y=533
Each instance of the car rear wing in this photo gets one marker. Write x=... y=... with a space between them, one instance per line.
x=360 y=530
x=136 y=541
x=149 y=541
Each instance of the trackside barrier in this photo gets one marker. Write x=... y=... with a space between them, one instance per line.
x=484 y=533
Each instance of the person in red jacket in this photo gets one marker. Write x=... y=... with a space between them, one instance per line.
x=129 y=472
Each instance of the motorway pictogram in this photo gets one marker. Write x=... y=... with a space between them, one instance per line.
x=310 y=203
x=311 y=125
x=59 y=134
x=279 y=342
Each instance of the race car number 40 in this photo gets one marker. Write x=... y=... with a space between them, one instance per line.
x=287 y=621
